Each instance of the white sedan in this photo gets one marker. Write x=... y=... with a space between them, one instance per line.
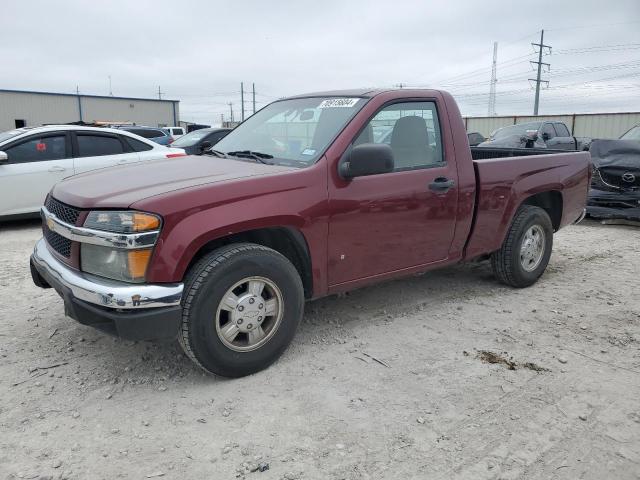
x=33 y=159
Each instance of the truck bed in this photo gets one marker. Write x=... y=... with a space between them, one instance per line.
x=504 y=176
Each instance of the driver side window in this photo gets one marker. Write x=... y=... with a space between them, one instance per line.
x=411 y=130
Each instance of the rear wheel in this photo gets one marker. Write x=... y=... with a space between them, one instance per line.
x=241 y=308
x=526 y=250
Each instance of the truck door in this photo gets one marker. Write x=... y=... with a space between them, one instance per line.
x=556 y=139
x=397 y=220
x=564 y=140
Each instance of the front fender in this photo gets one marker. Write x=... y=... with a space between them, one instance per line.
x=192 y=219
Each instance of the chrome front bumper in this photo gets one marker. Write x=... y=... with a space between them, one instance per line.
x=101 y=291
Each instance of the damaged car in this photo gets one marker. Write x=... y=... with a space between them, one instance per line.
x=615 y=183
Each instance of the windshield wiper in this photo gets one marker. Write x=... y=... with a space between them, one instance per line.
x=258 y=156
x=215 y=153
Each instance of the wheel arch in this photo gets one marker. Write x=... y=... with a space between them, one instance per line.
x=551 y=202
x=288 y=241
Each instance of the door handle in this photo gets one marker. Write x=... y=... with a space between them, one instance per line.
x=57 y=169
x=441 y=184
x=122 y=161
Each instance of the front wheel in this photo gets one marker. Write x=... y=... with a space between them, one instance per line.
x=526 y=250
x=241 y=308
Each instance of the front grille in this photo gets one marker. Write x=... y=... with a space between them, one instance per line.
x=64 y=212
x=58 y=242
x=614 y=177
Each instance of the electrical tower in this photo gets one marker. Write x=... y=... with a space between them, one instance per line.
x=159 y=93
x=492 y=87
x=541 y=46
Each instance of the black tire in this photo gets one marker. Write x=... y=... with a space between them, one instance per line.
x=205 y=285
x=506 y=263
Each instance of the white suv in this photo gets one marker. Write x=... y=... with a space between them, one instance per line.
x=174 y=132
x=33 y=159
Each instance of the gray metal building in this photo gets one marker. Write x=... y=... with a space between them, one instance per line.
x=24 y=108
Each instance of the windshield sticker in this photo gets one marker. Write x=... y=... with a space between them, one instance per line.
x=308 y=151
x=338 y=103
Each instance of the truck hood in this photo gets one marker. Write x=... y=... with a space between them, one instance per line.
x=119 y=187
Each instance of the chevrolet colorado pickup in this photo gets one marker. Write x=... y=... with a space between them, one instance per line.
x=302 y=200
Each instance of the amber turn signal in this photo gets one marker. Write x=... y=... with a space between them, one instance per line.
x=143 y=222
x=137 y=263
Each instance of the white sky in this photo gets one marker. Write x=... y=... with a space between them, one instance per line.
x=199 y=51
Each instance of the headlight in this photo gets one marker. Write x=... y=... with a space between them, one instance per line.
x=124 y=265
x=122 y=222
x=127 y=265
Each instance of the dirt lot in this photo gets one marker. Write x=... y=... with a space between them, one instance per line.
x=387 y=382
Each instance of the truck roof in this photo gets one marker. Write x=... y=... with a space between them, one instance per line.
x=355 y=92
x=363 y=92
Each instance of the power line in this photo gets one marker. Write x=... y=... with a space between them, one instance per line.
x=596 y=25
x=598 y=48
x=473 y=73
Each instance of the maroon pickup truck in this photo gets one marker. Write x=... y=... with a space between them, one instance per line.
x=313 y=195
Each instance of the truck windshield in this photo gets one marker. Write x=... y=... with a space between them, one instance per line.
x=294 y=132
x=633 y=134
x=520 y=129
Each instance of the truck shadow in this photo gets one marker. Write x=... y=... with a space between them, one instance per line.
x=157 y=363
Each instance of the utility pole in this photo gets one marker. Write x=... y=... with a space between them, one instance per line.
x=221 y=119
x=110 y=90
x=159 y=93
x=541 y=46
x=242 y=99
x=492 y=88
x=253 y=91
x=231 y=110
x=79 y=103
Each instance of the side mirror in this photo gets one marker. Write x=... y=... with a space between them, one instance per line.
x=4 y=158
x=545 y=136
x=366 y=159
x=204 y=146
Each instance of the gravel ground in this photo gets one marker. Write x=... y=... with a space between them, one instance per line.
x=394 y=381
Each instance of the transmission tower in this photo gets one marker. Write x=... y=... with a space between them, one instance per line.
x=494 y=80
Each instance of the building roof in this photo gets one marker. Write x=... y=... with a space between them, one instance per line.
x=2 y=90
